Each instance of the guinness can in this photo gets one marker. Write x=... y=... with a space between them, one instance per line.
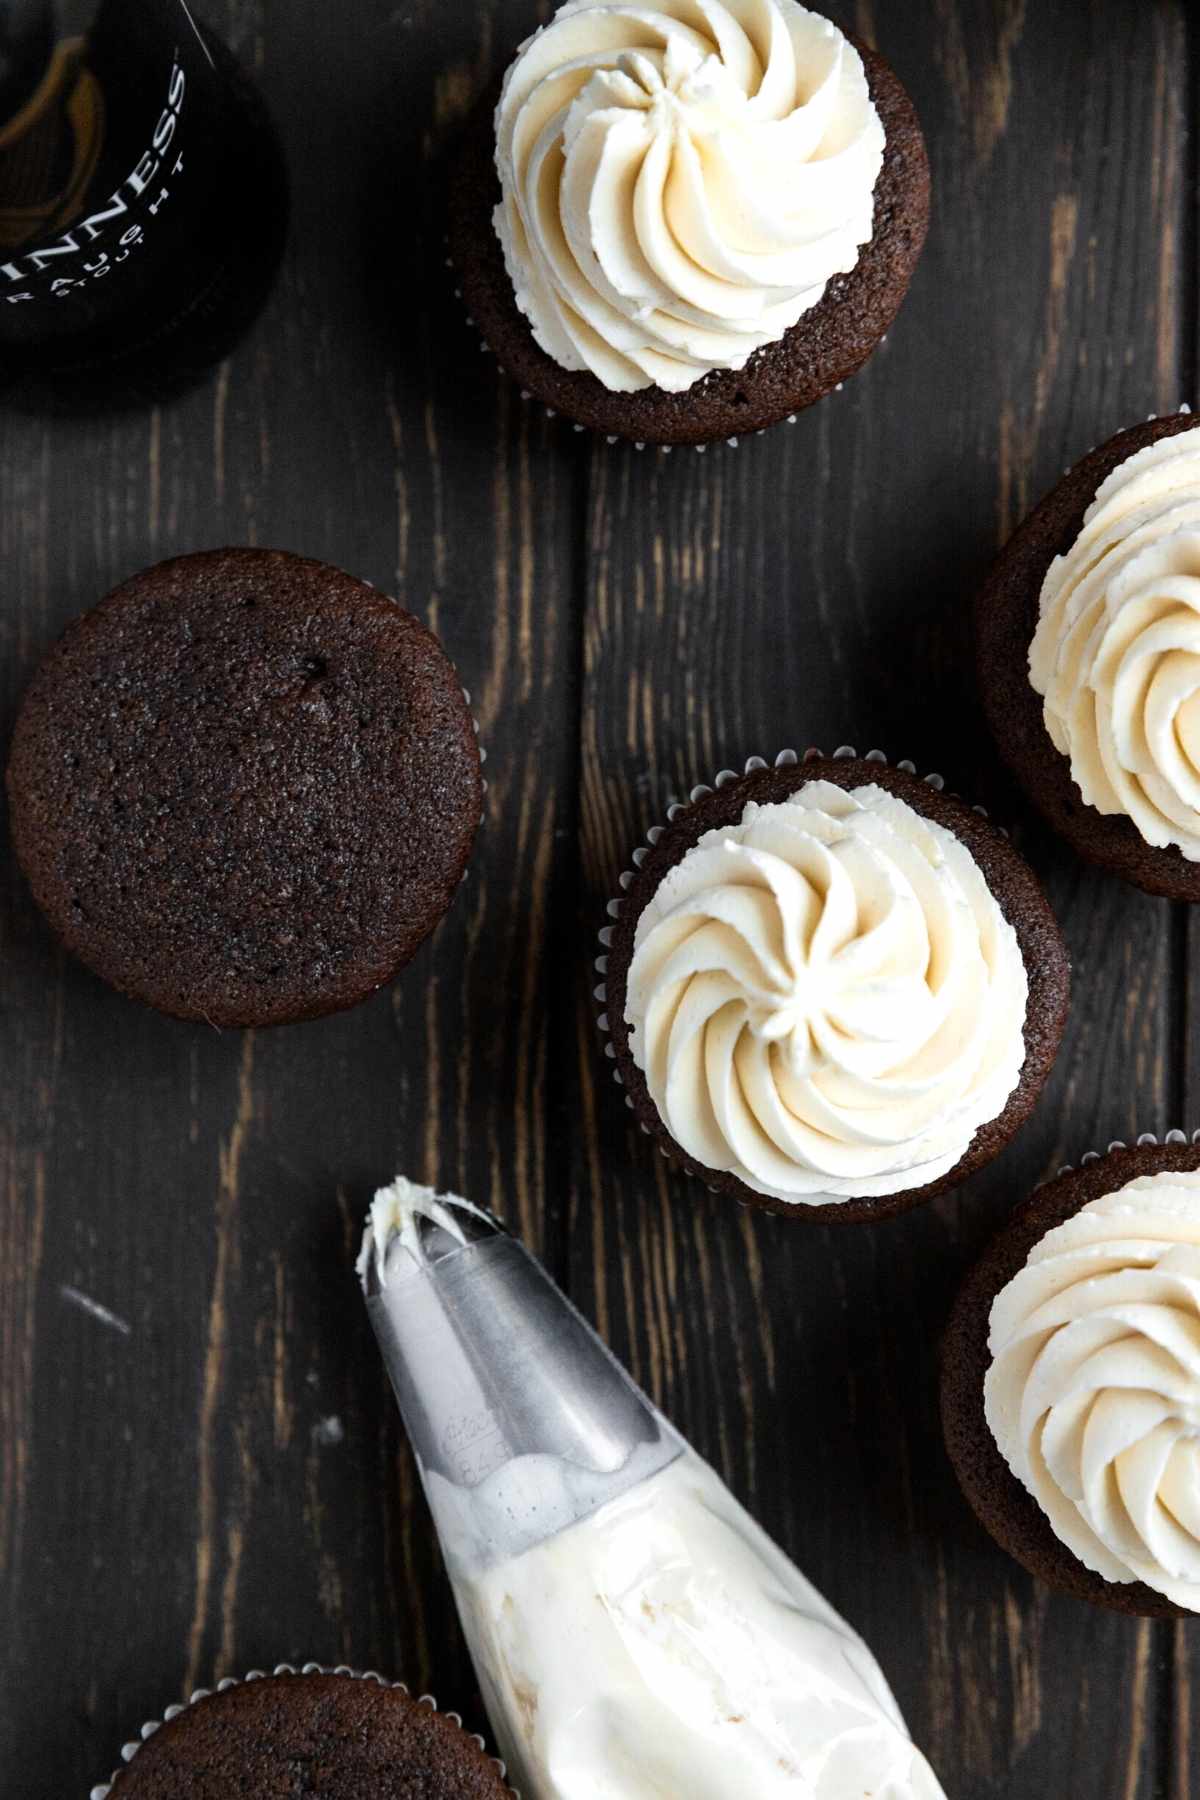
x=143 y=200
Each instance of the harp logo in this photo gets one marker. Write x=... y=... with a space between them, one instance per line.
x=50 y=148
x=76 y=256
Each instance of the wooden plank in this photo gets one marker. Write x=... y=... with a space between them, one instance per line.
x=813 y=586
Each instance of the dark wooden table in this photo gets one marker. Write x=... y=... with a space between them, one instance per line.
x=207 y=1476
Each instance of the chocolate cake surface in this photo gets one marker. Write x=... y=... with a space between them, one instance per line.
x=1000 y=1501
x=826 y=346
x=244 y=787
x=310 y=1737
x=1008 y=877
x=1006 y=617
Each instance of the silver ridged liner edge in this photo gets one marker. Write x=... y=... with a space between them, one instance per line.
x=1145 y=1140
x=130 y=1750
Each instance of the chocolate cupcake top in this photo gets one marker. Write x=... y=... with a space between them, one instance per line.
x=826 y=1000
x=244 y=787
x=1093 y=1391
x=1116 y=653
x=310 y=1736
x=679 y=185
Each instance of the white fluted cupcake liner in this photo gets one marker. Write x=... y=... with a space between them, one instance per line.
x=784 y=759
x=130 y=1750
x=1175 y=1139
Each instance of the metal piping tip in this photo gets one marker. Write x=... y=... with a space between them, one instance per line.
x=411 y=1228
x=488 y=1359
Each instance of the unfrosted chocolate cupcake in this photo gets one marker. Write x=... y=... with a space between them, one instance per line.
x=1088 y=648
x=832 y=989
x=1070 y=1385
x=676 y=231
x=316 y=1735
x=244 y=787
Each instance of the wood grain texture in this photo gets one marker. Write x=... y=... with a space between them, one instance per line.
x=200 y=1471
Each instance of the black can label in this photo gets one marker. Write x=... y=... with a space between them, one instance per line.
x=107 y=172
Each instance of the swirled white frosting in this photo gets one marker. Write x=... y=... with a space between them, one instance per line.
x=680 y=181
x=1116 y=654
x=1093 y=1394
x=826 y=999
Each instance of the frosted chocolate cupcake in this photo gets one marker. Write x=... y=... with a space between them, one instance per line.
x=1088 y=635
x=327 y=1734
x=1071 y=1381
x=684 y=223
x=832 y=989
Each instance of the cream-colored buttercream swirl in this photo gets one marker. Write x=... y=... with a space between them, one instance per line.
x=1093 y=1394
x=1116 y=655
x=826 y=999
x=681 y=179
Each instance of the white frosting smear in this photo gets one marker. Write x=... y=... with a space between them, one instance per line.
x=1116 y=654
x=1093 y=1394
x=826 y=999
x=681 y=179
x=665 y=1647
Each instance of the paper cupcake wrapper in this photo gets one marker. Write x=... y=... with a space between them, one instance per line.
x=130 y=1750
x=785 y=759
x=613 y=437
x=1173 y=1139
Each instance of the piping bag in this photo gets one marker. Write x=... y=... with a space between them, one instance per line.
x=635 y=1634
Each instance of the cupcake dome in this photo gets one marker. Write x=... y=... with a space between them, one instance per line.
x=326 y=1735
x=681 y=227
x=244 y=787
x=1088 y=645
x=1070 y=1382
x=832 y=989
